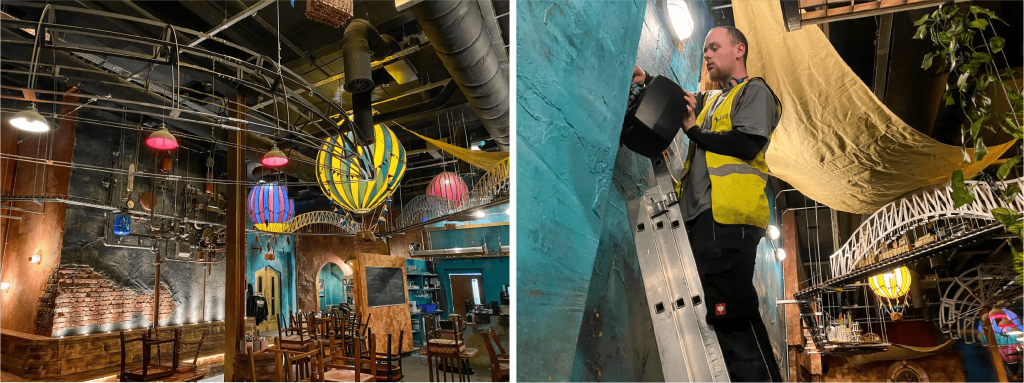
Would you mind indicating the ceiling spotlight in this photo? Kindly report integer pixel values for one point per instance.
(773, 232)
(275, 157)
(780, 254)
(162, 139)
(679, 16)
(30, 120)
(479, 214)
(5, 285)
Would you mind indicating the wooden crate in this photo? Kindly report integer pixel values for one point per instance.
(798, 14)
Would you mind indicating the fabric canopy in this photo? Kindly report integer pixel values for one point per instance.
(479, 158)
(836, 142)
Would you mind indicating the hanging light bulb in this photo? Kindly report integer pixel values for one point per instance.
(773, 232)
(780, 253)
(275, 157)
(30, 120)
(479, 214)
(162, 139)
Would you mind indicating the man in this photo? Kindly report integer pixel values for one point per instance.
(723, 200)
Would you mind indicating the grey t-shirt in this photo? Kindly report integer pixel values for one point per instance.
(753, 112)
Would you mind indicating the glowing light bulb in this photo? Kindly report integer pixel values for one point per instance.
(30, 120)
(773, 232)
(479, 214)
(780, 254)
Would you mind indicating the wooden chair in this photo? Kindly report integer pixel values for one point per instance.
(148, 371)
(444, 351)
(389, 365)
(305, 367)
(299, 339)
(340, 367)
(259, 362)
(499, 362)
(497, 341)
(193, 365)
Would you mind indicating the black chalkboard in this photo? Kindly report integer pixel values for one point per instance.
(385, 286)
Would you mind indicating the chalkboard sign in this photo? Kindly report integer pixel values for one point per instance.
(385, 286)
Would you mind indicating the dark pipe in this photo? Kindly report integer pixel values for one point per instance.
(461, 40)
(360, 38)
(362, 117)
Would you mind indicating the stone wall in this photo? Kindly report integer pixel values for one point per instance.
(570, 104)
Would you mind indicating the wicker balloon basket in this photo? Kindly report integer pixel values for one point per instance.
(330, 12)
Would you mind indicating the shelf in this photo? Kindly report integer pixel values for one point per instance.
(431, 288)
(420, 313)
(421, 275)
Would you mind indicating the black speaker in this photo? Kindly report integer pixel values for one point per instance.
(654, 116)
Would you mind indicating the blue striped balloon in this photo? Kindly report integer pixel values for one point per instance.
(341, 181)
(269, 203)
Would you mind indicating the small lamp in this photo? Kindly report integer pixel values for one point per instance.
(30, 120)
(275, 157)
(35, 258)
(162, 139)
(5, 285)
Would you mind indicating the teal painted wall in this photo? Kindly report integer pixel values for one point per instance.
(333, 292)
(284, 262)
(494, 271)
(575, 61)
(616, 340)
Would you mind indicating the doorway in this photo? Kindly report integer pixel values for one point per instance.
(268, 283)
(332, 286)
(466, 286)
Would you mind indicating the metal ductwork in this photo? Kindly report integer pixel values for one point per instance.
(462, 41)
(97, 83)
(360, 39)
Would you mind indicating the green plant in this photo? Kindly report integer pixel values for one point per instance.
(967, 46)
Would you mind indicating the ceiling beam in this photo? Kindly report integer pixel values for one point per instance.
(234, 19)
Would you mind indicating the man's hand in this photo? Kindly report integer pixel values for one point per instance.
(638, 75)
(690, 119)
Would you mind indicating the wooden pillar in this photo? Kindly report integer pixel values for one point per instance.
(993, 347)
(234, 320)
(791, 283)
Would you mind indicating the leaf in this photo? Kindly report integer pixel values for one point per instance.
(1005, 216)
(976, 128)
(961, 195)
(981, 57)
(979, 150)
(984, 81)
(949, 99)
(922, 20)
(976, 9)
(979, 24)
(1006, 167)
(922, 32)
(1010, 192)
(1018, 264)
(996, 44)
(962, 81)
(927, 63)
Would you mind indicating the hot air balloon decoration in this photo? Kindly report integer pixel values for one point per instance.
(341, 180)
(448, 186)
(270, 209)
(890, 287)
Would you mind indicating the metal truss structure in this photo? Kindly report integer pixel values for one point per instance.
(493, 186)
(920, 225)
(978, 289)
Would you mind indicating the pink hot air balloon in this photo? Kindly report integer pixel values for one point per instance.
(449, 186)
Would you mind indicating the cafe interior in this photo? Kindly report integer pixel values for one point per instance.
(254, 190)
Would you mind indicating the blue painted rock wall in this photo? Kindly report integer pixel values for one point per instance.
(575, 61)
(616, 341)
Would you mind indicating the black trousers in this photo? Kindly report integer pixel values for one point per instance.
(725, 257)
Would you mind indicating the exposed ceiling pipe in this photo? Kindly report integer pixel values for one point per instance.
(360, 37)
(110, 84)
(462, 40)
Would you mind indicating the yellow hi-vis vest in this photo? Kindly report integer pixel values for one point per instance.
(737, 186)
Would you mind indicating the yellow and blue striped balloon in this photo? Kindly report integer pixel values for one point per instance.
(341, 180)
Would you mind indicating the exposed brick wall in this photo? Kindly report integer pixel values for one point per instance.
(47, 305)
(85, 297)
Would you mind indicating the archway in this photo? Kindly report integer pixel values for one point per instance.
(333, 285)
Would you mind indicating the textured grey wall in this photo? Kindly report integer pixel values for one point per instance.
(134, 268)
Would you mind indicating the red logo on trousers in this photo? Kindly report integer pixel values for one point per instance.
(720, 309)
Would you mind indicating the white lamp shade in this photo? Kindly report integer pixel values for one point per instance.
(30, 120)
